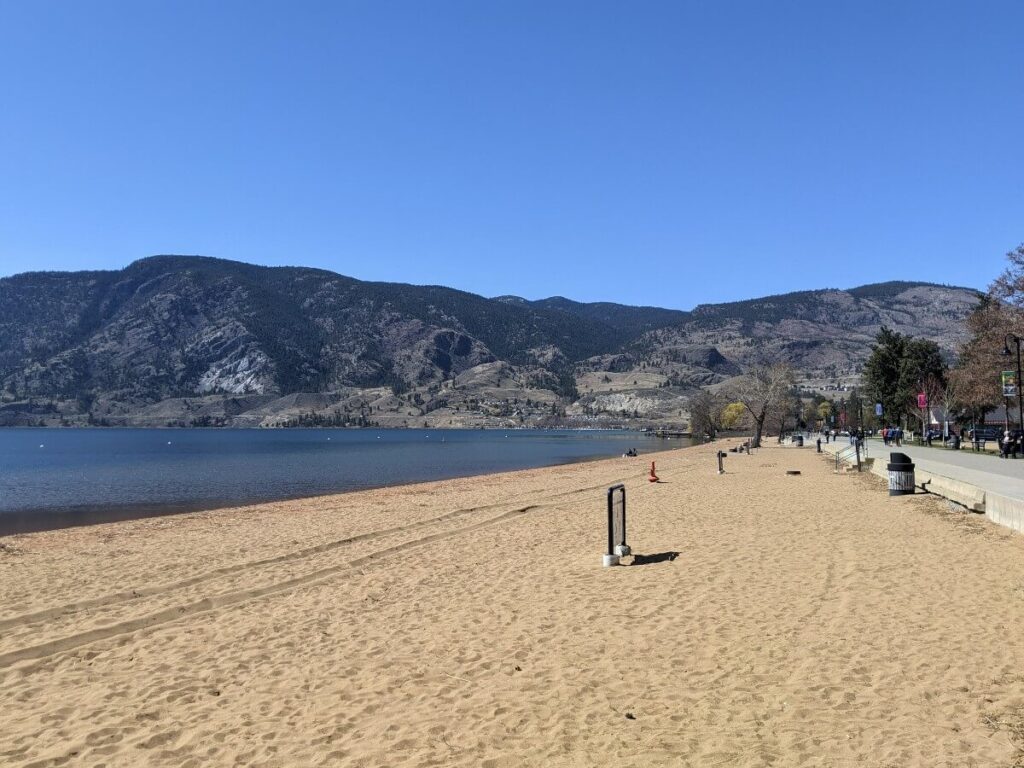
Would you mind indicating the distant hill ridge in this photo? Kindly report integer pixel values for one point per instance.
(110, 345)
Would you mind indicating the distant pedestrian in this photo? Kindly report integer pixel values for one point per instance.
(1005, 445)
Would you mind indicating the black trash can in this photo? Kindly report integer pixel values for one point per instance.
(798, 441)
(901, 474)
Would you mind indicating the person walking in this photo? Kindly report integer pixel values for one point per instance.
(1005, 444)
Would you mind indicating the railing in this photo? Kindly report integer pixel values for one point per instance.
(851, 455)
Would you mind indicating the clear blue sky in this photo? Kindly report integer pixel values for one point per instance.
(649, 153)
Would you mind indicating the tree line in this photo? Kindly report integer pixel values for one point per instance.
(901, 369)
(908, 377)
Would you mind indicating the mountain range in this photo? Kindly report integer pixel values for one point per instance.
(187, 340)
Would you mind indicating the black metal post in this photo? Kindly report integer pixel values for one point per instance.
(1020, 395)
(611, 517)
(856, 445)
(611, 524)
(721, 469)
(624, 539)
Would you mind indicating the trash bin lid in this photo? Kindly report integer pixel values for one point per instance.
(899, 458)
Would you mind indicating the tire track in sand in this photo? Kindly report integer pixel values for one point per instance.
(217, 602)
(131, 595)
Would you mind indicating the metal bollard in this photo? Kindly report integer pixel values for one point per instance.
(721, 467)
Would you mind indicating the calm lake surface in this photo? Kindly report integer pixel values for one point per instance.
(54, 478)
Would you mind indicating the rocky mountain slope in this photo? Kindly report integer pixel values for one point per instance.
(175, 340)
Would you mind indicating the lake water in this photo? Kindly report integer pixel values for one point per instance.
(53, 478)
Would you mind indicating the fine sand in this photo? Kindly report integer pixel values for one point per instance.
(807, 620)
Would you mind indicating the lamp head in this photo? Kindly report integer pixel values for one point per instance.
(1006, 350)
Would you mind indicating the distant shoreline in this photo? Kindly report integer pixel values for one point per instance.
(225, 428)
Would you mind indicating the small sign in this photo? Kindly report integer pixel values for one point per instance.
(878, 409)
(922, 400)
(1009, 383)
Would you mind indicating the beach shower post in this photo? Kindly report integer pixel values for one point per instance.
(617, 546)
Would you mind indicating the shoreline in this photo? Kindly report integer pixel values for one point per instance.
(259, 428)
(16, 522)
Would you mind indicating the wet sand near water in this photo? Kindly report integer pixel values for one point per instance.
(775, 620)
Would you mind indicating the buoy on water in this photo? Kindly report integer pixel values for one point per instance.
(654, 477)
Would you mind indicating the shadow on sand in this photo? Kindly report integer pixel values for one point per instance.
(659, 557)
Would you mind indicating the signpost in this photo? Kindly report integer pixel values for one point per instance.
(617, 546)
(1009, 383)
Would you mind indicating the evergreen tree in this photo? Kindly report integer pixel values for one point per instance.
(899, 367)
(882, 373)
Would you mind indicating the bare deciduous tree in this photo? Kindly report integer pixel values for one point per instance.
(761, 390)
(976, 376)
(705, 413)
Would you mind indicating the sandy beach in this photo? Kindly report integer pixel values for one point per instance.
(806, 620)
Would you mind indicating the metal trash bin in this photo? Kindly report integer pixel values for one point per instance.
(901, 474)
(798, 441)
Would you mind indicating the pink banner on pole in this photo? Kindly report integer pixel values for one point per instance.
(922, 400)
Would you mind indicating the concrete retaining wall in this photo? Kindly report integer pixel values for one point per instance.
(1005, 511)
(965, 494)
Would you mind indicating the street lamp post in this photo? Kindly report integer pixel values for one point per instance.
(926, 422)
(1020, 395)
